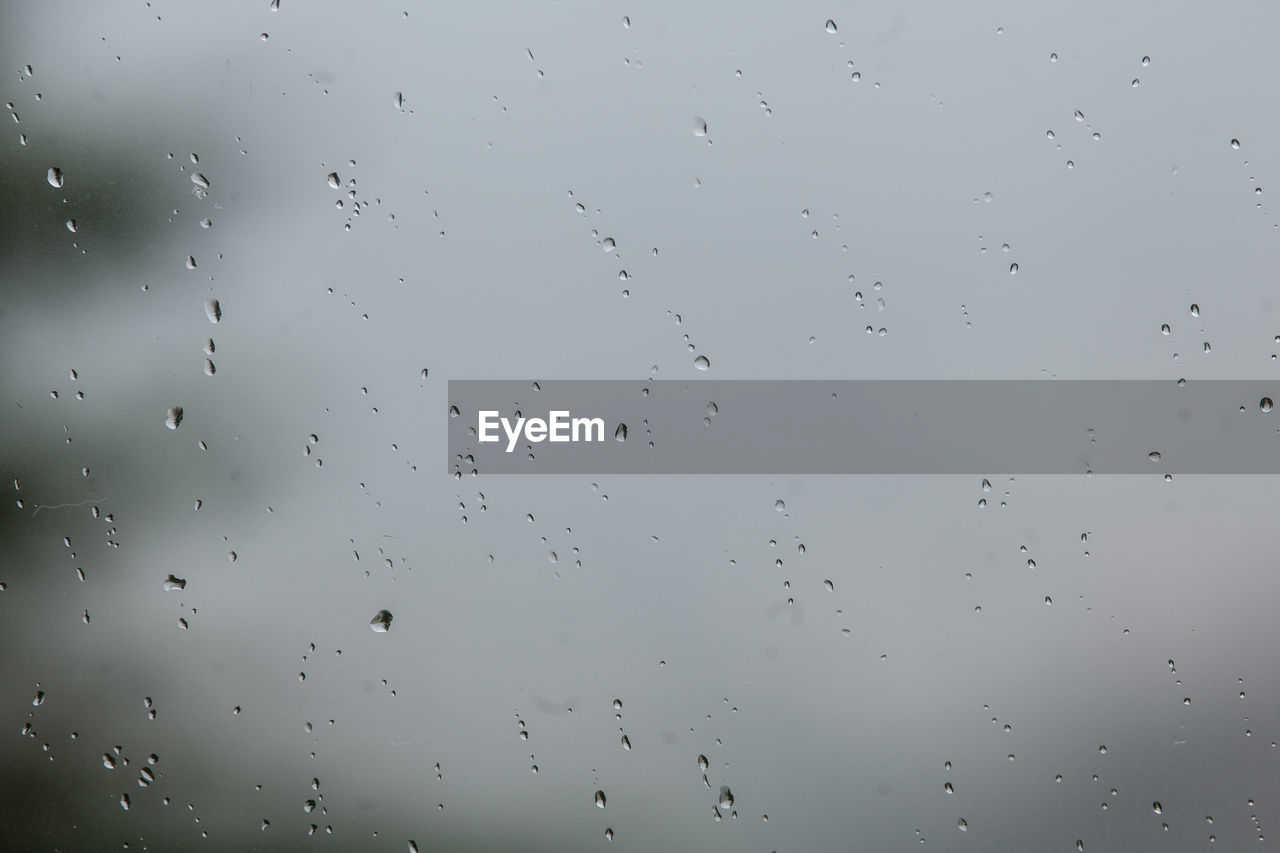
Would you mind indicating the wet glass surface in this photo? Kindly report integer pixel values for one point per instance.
(245, 605)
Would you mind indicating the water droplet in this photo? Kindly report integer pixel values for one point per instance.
(212, 310)
(702, 363)
(947, 787)
(831, 26)
(1053, 57)
(191, 262)
(1265, 405)
(54, 177)
(1146, 60)
(174, 583)
(1013, 269)
(1235, 143)
(1164, 328)
(209, 369)
(173, 417)
(333, 180)
(1195, 310)
(200, 181)
(398, 100)
(626, 743)
(962, 824)
(626, 22)
(699, 126)
(71, 225)
(600, 799)
(1157, 808)
(703, 763)
(381, 622)
(620, 434)
(608, 244)
(124, 801)
(725, 799)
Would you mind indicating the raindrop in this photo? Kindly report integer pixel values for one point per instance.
(608, 244)
(1146, 60)
(726, 797)
(1013, 269)
(1164, 329)
(620, 434)
(200, 180)
(1079, 116)
(1235, 143)
(962, 825)
(173, 417)
(702, 363)
(699, 126)
(779, 505)
(71, 225)
(381, 622)
(703, 763)
(1157, 808)
(1195, 310)
(600, 799)
(626, 743)
(55, 177)
(831, 26)
(1154, 456)
(174, 583)
(1265, 405)
(212, 310)
(334, 182)
(191, 262)
(398, 100)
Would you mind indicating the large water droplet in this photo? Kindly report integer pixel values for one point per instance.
(620, 434)
(174, 583)
(600, 799)
(831, 26)
(381, 622)
(699, 126)
(54, 177)
(200, 181)
(1265, 405)
(173, 417)
(333, 180)
(212, 310)
(702, 363)
(726, 797)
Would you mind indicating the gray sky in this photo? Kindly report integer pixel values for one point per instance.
(469, 258)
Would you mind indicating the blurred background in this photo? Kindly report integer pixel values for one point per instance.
(245, 245)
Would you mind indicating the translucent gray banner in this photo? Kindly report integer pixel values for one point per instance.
(977, 427)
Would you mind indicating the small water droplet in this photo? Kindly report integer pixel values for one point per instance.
(1013, 269)
(699, 126)
(1157, 808)
(55, 177)
(173, 418)
(334, 182)
(600, 799)
(200, 181)
(381, 622)
(620, 434)
(213, 310)
(174, 583)
(831, 26)
(1265, 405)
(725, 799)
(1235, 143)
